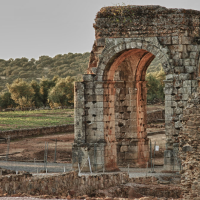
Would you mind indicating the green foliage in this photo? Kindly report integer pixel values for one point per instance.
(45, 86)
(63, 65)
(6, 101)
(21, 92)
(57, 92)
(45, 79)
(63, 92)
(37, 99)
(155, 86)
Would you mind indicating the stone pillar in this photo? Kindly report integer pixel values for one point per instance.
(169, 125)
(78, 151)
(143, 141)
(89, 125)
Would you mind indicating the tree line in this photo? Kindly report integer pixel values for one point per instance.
(73, 65)
(60, 91)
(49, 81)
(55, 92)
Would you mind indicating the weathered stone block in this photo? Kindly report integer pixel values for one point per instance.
(194, 83)
(130, 155)
(179, 69)
(100, 42)
(88, 77)
(175, 40)
(169, 77)
(189, 69)
(193, 48)
(194, 55)
(124, 149)
(183, 76)
(185, 40)
(178, 124)
(185, 97)
(168, 91)
(187, 148)
(165, 40)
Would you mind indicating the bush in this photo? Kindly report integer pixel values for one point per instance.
(63, 93)
(155, 86)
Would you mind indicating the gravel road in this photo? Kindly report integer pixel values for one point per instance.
(61, 167)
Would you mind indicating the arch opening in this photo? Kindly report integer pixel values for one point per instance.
(125, 97)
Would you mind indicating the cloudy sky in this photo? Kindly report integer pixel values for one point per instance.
(31, 28)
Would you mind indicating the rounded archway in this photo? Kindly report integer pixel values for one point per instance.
(125, 103)
(110, 105)
(105, 83)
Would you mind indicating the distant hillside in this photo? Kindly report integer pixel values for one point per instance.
(62, 65)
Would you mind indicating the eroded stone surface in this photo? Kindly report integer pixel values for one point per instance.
(110, 103)
(189, 139)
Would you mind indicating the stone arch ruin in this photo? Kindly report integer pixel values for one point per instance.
(110, 102)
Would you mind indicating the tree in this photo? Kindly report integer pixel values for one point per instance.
(6, 101)
(45, 85)
(63, 93)
(37, 99)
(21, 92)
(155, 85)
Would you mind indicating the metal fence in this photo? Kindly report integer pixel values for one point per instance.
(47, 160)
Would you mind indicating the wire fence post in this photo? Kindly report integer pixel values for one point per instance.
(151, 155)
(8, 146)
(95, 157)
(154, 157)
(173, 159)
(55, 151)
(128, 169)
(147, 169)
(102, 159)
(44, 154)
(34, 163)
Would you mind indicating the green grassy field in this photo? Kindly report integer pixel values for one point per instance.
(36, 118)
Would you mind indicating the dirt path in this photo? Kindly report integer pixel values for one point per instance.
(30, 149)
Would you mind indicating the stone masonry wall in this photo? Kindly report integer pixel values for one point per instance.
(59, 185)
(155, 115)
(112, 185)
(189, 150)
(21, 133)
(132, 36)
